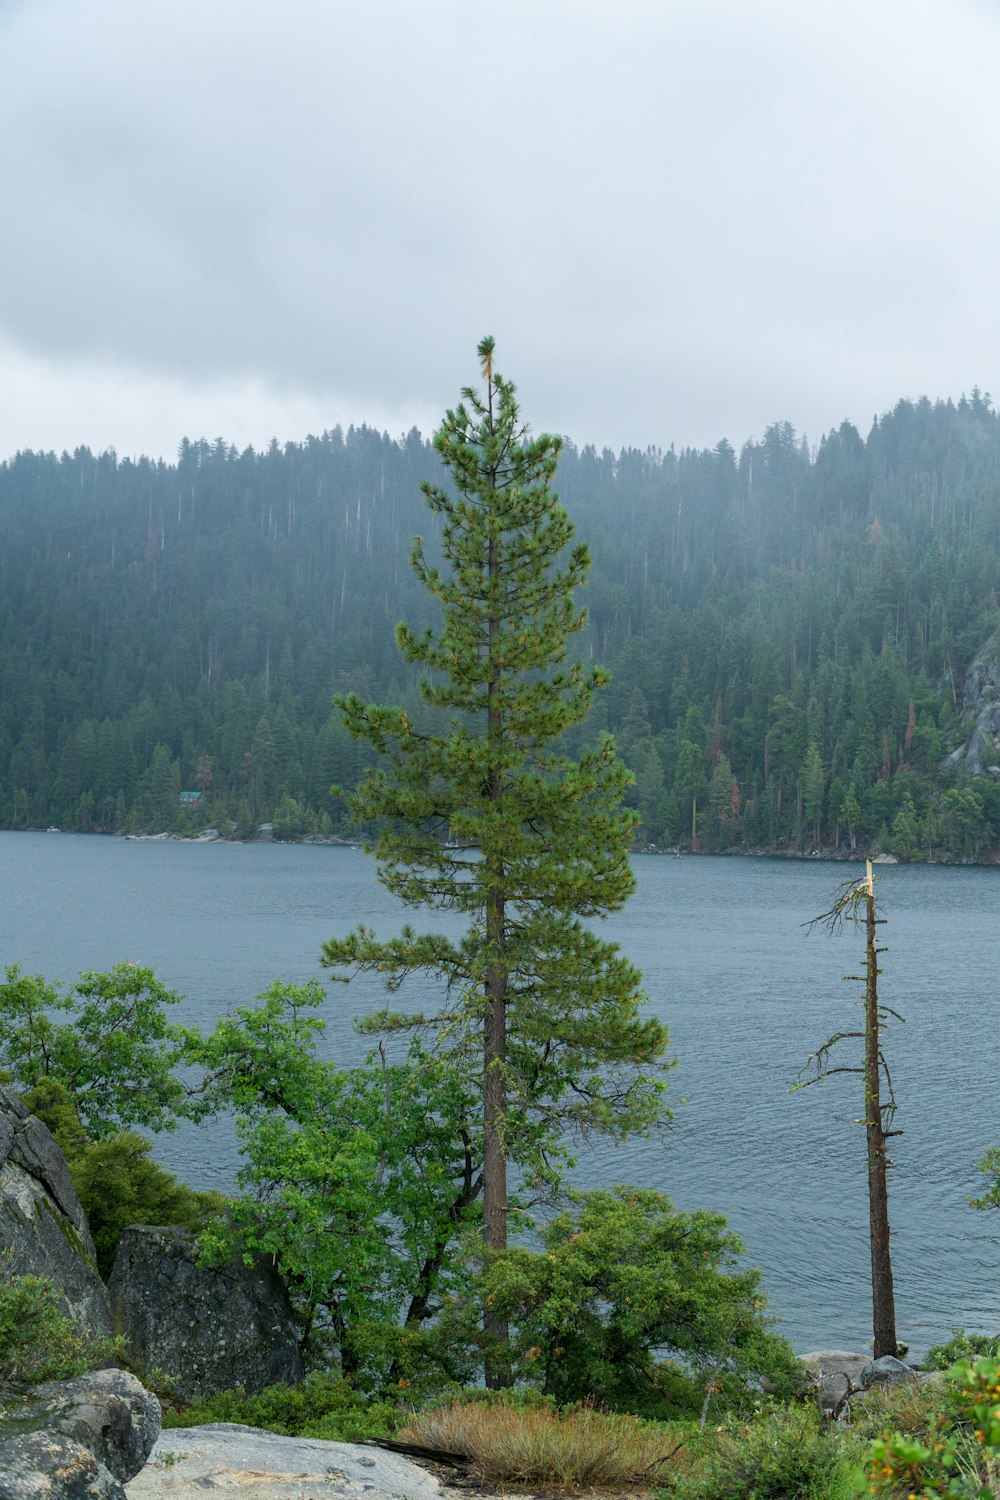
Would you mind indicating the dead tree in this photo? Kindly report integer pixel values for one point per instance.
(856, 903)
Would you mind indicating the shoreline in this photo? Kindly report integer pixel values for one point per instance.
(838, 855)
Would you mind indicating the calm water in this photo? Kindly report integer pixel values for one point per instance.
(747, 996)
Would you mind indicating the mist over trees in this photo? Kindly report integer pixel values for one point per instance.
(788, 629)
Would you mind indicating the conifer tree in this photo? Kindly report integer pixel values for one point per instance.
(540, 1009)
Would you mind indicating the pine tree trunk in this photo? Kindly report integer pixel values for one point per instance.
(495, 1024)
(494, 1132)
(883, 1306)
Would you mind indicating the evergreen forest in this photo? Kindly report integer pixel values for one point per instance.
(788, 630)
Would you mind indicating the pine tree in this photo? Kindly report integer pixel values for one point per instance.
(542, 1011)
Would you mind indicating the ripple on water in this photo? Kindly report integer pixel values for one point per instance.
(728, 965)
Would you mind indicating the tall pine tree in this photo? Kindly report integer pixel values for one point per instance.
(544, 1011)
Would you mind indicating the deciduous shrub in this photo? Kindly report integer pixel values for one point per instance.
(37, 1341)
(961, 1345)
(638, 1306)
(321, 1406)
(116, 1178)
(959, 1455)
(783, 1454)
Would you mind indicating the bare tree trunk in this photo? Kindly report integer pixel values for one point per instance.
(883, 1306)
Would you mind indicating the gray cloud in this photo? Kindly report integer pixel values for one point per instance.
(681, 220)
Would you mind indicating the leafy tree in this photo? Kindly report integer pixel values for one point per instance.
(115, 1055)
(961, 813)
(905, 832)
(990, 1165)
(355, 1181)
(544, 1012)
(637, 1305)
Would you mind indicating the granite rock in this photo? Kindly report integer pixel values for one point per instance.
(43, 1228)
(202, 1329)
(193, 1463)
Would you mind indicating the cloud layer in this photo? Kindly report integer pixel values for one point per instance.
(680, 220)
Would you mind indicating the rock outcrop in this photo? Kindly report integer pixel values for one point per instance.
(981, 711)
(193, 1463)
(886, 1371)
(43, 1228)
(202, 1329)
(822, 1363)
(77, 1439)
(838, 1374)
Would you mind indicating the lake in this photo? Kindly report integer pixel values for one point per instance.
(747, 994)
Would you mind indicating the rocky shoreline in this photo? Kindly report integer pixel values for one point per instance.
(265, 835)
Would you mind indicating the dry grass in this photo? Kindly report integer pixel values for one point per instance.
(582, 1447)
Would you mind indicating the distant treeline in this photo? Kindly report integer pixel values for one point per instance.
(788, 629)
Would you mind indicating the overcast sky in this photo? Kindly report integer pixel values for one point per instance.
(681, 219)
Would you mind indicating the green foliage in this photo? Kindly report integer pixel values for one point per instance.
(355, 1181)
(959, 1455)
(782, 1454)
(321, 1406)
(37, 1341)
(961, 1345)
(116, 1179)
(637, 1305)
(539, 1013)
(116, 1053)
(753, 587)
(990, 1165)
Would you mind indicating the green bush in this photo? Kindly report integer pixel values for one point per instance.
(636, 1305)
(960, 1453)
(37, 1341)
(781, 1455)
(322, 1406)
(961, 1345)
(116, 1179)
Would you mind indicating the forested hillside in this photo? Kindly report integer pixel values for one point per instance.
(788, 629)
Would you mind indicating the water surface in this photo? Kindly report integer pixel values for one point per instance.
(729, 966)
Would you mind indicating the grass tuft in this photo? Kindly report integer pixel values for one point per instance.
(577, 1447)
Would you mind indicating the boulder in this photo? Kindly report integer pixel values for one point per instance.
(43, 1228)
(44, 1466)
(193, 1463)
(886, 1371)
(201, 1329)
(826, 1362)
(77, 1439)
(832, 1393)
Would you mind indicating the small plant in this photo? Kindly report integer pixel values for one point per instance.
(37, 1341)
(961, 1345)
(958, 1456)
(169, 1459)
(781, 1455)
(513, 1441)
(321, 1406)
